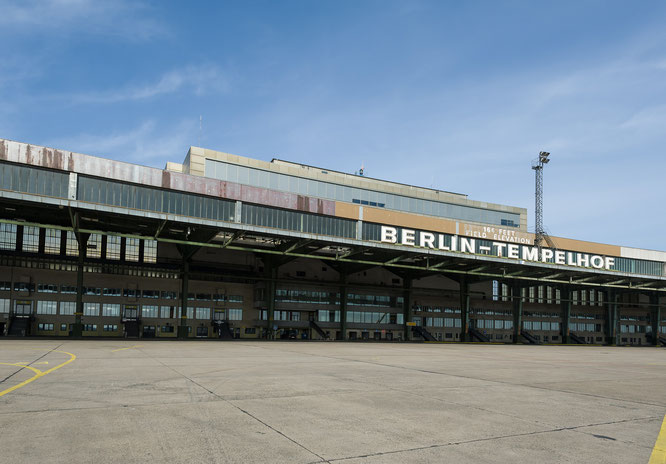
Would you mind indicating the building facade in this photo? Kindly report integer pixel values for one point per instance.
(252, 249)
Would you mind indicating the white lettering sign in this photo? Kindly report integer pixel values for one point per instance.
(511, 250)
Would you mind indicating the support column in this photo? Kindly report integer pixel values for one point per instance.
(184, 280)
(77, 328)
(611, 317)
(566, 297)
(343, 306)
(42, 241)
(271, 271)
(407, 307)
(464, 309)
(656, 317)
(517, 300)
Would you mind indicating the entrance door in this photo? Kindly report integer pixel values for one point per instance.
(130, 313)
(23, 309)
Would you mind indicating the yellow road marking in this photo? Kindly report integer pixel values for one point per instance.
(43, 362)
(128, 348)
(37, 372)
(659, 451)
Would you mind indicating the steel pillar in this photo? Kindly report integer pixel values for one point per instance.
(517, 300)
(343, 306)
(566, 297)
(464, 309)
(77, 328)
(271, 271)
(656, 317)
(407, 306)
(185, 278)
(611, 317)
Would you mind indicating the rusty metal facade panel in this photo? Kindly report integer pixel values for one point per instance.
(126, 172)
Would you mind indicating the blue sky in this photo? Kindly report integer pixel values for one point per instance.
(460, 96)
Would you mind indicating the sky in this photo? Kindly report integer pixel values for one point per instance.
(457, 96)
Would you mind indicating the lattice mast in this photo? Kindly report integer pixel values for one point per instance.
(540, 234)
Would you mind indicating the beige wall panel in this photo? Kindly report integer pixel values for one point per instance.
(346, 210)
(586, 247)
(413, 221)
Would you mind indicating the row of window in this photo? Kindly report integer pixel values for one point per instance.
(94, 246)
(117, 292)
(315, 188)
(68, 308)
(333, 298)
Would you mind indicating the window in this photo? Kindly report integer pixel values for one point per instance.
(91, 309)
(237, 314)
(169, 295)
(111, 292)
(235, 299)
(167, 329)
(202, 331)
(203, 313)
(67, 308)
(132, 249)
(44, 327)
(68, 289)
(250, 330)
(151, 293)
(94, 246)
(166, 311)
(149, 310)
(47, 307)
(52, 242)
(7, 236)
(110, 328)
(4, 306)
(30, 239)
(24, 287)
(90, 327)
(131, 293)
(63, 327)
(95, 291)
(47, 288)
(113, 247)
(149, 251)
(72, 245)
(111, 310)
(190, 313)
(5, 286)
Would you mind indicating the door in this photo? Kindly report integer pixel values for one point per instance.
(23, 309)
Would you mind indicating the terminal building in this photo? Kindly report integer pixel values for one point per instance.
(224, 246)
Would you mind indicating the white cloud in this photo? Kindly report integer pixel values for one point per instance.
(200, 80)
(129, 19)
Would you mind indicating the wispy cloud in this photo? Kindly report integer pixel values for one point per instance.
(130, 19)
(149, 143)
(200, 80)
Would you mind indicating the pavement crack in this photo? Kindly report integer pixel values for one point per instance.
(249, 414)
(29, 364)
(477, 440)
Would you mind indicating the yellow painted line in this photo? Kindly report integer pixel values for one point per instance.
(659, 451)
(128, 348)
(37, 372)
(23, 366)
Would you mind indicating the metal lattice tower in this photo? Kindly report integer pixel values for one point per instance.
(539, 233)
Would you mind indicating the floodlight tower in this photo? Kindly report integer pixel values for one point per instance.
(539, 234)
